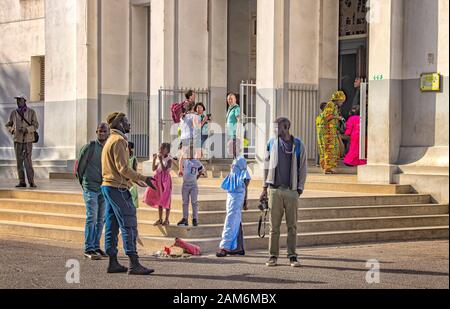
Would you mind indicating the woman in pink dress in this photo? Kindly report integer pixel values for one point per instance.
(162, 197)
(353, 127)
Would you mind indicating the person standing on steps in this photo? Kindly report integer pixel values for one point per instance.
(285, 176)
(120, 209)
(23, 124)
(236, 185)
(89, 173)
(233, 121)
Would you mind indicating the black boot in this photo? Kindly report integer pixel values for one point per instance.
(136, 268)
(114, 267)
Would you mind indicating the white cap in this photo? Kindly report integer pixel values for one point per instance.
(21, 96)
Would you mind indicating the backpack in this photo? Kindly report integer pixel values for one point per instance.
(177, 110)
(80, 169)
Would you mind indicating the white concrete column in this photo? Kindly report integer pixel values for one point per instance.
(162, 72)
(269, 70)
(329, 48)
(115, 56)
(385, 96)
(71, 77)
(192, 51)
(288, 55)
(218, 62)
(301, 23)
(139, 79)
(61, 78)
(442, 106)
(87, 72)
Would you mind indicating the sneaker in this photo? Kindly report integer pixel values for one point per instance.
(21, 185)
(92, 255)
(101, 253)
(294, 262)
(272, 261)
(183, 222)
(194, 222)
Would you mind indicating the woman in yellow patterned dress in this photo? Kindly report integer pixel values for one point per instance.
(327, 131)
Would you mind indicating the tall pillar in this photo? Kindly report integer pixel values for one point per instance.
(139, 66)
(269, 70)
(162, 61)
(288, 55)
(71, 62)
(115, 56)
(385, 96)
(329, 48)
(442, 106)
(218, 62)
(188, 50)
(87, 72)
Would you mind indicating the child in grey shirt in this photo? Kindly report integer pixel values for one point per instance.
(192, 170)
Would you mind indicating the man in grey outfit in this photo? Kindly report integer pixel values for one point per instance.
(22, 124)
(285, 177)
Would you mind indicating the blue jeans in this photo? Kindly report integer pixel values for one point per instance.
(95, 219)
(120, 213)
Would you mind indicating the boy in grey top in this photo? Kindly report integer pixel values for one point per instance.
(192, 170)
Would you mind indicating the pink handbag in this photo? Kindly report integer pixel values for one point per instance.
(187, 247)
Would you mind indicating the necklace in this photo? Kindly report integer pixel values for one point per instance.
(285, 147)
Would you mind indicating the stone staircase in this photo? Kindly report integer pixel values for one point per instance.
(377, 213)
(42, 168)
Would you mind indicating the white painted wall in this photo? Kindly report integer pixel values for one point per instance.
(192, 44)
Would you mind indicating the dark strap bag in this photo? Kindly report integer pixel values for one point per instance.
(261, 223)
(36, 135)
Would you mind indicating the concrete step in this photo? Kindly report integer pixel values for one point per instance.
(61, 175)
(38, 163)
(218, 214)
(340, 170)
(315, 239)
(208, 230)
(68, 202)
(304, 226)
(209, 245)
(214, 211)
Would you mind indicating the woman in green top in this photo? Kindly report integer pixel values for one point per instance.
(233, 119)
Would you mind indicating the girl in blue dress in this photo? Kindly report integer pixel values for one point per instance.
(236, 184)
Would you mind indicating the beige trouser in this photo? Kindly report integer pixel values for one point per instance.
(283, 201)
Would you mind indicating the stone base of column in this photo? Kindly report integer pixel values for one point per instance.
(377, 173)
(147, 168)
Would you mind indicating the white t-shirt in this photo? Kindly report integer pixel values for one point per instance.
(189, 124)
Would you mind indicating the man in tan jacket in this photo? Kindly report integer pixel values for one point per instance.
(22, 124)
(120, 209)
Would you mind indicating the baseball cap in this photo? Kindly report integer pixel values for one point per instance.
(21, 96)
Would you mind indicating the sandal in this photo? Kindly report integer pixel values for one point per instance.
(158, 222)
(222, 253)
(166, 223)
(330, 172)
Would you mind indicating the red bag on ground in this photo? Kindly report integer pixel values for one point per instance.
(187, 247)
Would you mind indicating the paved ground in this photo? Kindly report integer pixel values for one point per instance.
(31, 263)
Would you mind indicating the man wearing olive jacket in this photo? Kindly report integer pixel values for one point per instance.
(120, 209)
(22, 124)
